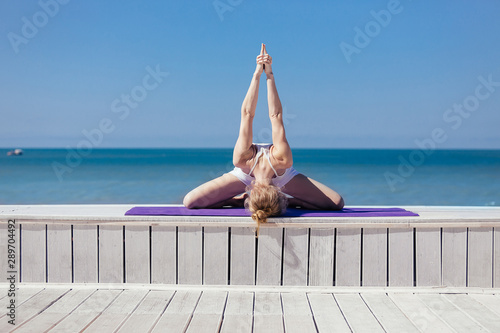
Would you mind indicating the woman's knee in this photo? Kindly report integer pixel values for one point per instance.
(339, 203)
(189, 200)
(333, 203)
(196, 199)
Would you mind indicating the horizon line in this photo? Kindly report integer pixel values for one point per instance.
(199, 147)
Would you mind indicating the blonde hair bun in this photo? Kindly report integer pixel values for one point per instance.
(260, 215)
(265, 200)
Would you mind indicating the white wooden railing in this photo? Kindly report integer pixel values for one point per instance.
(444, 246)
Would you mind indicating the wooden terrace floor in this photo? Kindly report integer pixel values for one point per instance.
(111, 308)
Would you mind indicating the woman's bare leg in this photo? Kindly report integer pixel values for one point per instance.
(312, 194)
(243, 150)
(236, 201)
(281, 150)
(215, 192)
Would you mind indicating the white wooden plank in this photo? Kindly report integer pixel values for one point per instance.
(85, 250)
(189, 255)
(83, 315)
(237, 323)
(374, 257)
(137, 254)
(327, 314)
(452, 216)
(295, 256)
(179, 311)
(216, 256)
(239, 302)
(357, 314)
(387, 313)
(145, 316)
(297, 315)
(428, 257)
(59, 261)
(496, 262)
(207, 316)
(211, 302)
(268, 323)
(24, 294)
(299, 323)
(480, 257)
(238, 314)
(400, 257)
(163, 254)
(242, 261)
(205, 323)
(492, 302)
(321, 257)
(348, 257)
(56, 312)
(454, 257)
(267, 303)
(121, 308)
(268, 316)
(419, 314)
(33, 253)
(269, 256)
(110, 254)
(32, 307)
(480, 313)
(450, 314)
(295, 303)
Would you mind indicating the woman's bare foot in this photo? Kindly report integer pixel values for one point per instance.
(264, 61)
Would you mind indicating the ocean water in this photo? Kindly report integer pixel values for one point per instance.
(161, 176)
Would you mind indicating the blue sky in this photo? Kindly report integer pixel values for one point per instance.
(351, 74)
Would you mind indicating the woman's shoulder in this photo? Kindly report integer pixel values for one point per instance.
(244, 159)
(281, 160)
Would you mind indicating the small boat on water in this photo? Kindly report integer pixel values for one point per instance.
(15, 152)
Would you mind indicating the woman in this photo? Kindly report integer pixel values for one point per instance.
(263, 170)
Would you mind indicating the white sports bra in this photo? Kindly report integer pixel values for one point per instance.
(263, 149)
(279, 181)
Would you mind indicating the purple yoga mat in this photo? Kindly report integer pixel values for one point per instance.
(290, 212)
